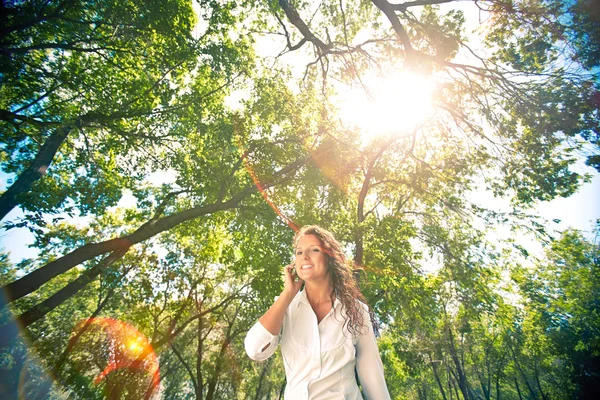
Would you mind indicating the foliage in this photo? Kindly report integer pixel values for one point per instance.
(99, 100)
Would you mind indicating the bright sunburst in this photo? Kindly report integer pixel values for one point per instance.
(392, 105)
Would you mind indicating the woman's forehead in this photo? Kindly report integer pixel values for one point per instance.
(308, 240)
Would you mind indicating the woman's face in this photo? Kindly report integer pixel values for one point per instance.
(310, 261)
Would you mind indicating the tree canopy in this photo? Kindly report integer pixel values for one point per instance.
(104, 101)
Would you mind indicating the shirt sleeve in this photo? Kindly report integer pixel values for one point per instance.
(256, 339)
(368, 363)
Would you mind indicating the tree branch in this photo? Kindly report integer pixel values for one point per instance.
(35, 279)
(185, 365)
(403, 6)
(389, 12)
(294, 18)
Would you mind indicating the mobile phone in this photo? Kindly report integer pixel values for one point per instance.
(295, 276)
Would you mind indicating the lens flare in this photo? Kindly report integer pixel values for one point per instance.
(265, 196)
(125, 348)
(261, 188)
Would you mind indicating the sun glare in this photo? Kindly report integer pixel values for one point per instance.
(133, 344)
(392, 105)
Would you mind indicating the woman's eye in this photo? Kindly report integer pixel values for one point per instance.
(316, 250)
(298, 253)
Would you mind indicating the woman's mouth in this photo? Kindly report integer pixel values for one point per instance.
(306, 266)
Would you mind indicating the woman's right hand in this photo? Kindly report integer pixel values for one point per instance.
(272, 320)
(292, 283)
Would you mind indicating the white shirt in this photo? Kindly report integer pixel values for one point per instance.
(319, 358)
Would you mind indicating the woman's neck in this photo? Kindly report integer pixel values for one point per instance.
(318, 293)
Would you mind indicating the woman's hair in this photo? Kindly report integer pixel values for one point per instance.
(341, 276)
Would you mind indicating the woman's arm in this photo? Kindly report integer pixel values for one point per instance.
(262, 338)
(260, 344)
(272, 320)
(368, 363)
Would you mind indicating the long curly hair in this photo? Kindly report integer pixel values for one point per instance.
(341, 277)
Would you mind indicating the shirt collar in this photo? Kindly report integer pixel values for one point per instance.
(337, 303)
(303, 299)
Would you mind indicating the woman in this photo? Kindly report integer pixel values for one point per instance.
(325, 330)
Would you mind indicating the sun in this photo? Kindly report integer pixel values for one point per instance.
(390, 105)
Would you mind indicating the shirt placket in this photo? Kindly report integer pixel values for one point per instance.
(316, 362)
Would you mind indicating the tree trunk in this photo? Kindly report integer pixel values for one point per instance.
(114, 388)
(360, 211)
(30, 282)
(358, 235)
(37, 169)
(389, 12)
(518, 389)
(452, 375)
(537, 381)
(437, 377)
(185, 365)
(455, 385)
(421, 392)
(462, 379)
(499, 368)
(262, 377)
(9, 331)
(54, 374)
(498, 386)
(364, 190)
(450, 387)
(523, 375)
(199, 353)
(484, 387)
(10, 377)
(212, 386)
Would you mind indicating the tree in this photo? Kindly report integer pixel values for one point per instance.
(93, 88)
(209, 184)
(563, 293)
(523, 81)
(509, 119)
